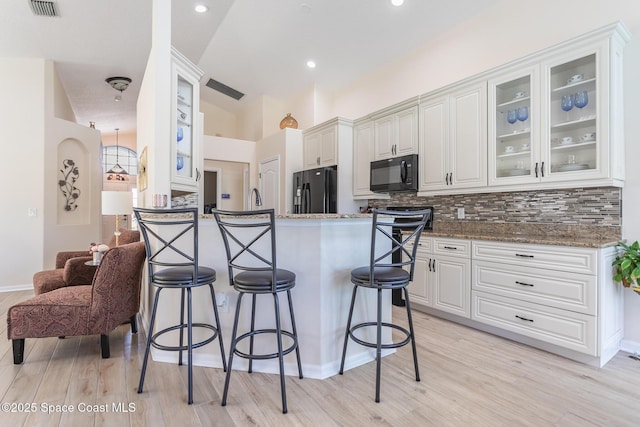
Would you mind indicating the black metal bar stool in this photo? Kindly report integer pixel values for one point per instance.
(171, 241)
(381, 274)
(247, 237)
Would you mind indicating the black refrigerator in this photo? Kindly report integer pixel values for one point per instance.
(316, 191)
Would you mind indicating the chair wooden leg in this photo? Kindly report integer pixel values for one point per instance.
(18, 351)
(104, 346)
(134, 324)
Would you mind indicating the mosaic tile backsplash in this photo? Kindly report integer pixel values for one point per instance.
(578, 206)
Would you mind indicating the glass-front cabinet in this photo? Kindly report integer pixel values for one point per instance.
(513, 140)
(572, 132)
(185, 140)
(558, 117)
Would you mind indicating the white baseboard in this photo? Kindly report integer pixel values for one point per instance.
(630, 346)
(13, 288)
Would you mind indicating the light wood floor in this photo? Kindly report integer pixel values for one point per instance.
(469, 378)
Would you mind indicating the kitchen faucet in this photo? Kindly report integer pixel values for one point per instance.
(258, 197)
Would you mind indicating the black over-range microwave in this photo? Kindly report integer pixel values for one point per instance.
(395, 175)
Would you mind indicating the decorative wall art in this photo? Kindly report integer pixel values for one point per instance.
(142, 170)
(67, 184)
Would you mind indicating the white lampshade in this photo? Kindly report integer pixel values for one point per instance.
(117, 202)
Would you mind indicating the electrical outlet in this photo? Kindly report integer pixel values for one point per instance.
(32, 212)
(223, 303)
(460, 213)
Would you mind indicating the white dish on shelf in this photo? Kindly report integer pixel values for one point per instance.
(573, 167)
(516, 172)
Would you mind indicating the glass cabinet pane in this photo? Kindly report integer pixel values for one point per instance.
(513, 144)
(572, 115)
(184, 137)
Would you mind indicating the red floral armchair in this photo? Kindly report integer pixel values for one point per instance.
(71, 269)
(98, 308)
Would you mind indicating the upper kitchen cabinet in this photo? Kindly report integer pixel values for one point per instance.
(320, 146)
(362, 157)
(557, 122)
(395, 131)
(514, 126)
(186, 131)
(453, 139)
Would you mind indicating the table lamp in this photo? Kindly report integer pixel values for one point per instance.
(117, 203)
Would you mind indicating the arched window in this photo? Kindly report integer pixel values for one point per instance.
(125, 157)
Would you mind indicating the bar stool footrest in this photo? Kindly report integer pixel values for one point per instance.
(285, 351)
(155, 336)
(384, 325)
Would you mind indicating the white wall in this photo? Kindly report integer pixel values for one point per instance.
(31, 139)
(501, 34)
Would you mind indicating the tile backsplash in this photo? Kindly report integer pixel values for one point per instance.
(577, 206)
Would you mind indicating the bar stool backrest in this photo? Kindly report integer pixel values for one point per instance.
(250, 240)
(170, 237)
(410, 223)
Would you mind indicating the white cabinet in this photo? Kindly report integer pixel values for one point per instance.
(186, 131)
(320, 147)
(453, 139)
(442, 278)
(396, 133)
(331, 143)
(362, 157)
(562, 296)
(555, 121)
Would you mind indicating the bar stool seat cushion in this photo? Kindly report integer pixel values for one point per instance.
(260, 281)
(382, 275)
(182, 275)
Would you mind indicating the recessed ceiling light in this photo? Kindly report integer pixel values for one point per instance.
(311, 64)
(200, 8)
(397, 2)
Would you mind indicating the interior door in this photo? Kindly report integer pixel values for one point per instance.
(269, 176)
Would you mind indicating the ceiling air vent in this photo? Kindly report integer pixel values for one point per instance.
(223, 88)
(43, 8)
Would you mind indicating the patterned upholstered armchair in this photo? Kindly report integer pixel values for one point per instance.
(71, 269)
(97, 308)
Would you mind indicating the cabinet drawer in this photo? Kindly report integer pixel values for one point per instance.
(575, 331)
(568, 291)
(575, 260)
(425, 246)
(452, 247)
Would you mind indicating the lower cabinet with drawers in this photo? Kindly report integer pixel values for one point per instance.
(442, 277)
(558, 298)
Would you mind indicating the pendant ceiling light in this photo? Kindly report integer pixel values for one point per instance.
(117, 172)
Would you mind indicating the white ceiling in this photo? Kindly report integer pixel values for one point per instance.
(258, 47)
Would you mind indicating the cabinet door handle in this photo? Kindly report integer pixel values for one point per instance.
(450, 178)
(434, 265)
(536, 169)
(542, 169)
(451, 247)
(446, 178)
(430, 264)
(524, 255)
(198, 175)
(524, 284)
(524, 318)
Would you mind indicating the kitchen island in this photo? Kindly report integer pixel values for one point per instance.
(322, 250)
